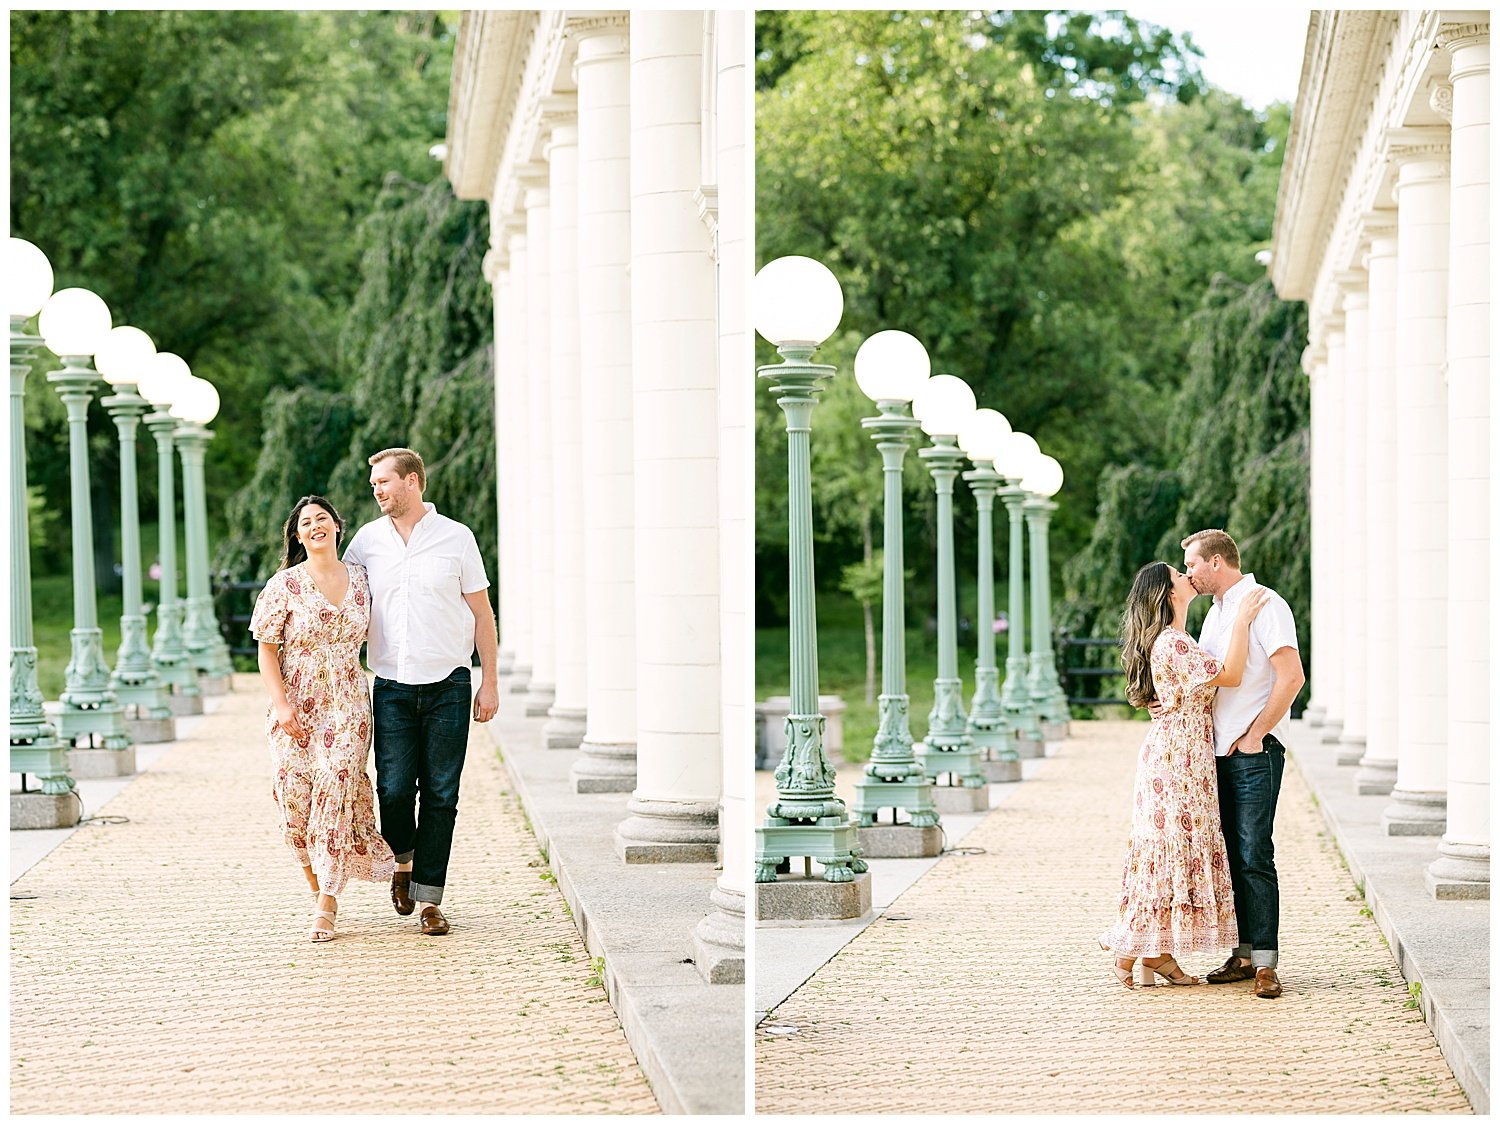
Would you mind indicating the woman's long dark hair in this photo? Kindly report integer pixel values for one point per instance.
(292, 550)
(1148, 611)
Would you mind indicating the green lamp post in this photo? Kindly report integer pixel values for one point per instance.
(891, 367)
(74, 324)
(943, 407)
(798, 304)
(122, 359)
(982, 439)
(164, 378)
(34, 746)
(1043, 481)
(1021, 715)
(195, 406)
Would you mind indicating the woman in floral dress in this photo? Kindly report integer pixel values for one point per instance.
(1175, 895)
(310, 620)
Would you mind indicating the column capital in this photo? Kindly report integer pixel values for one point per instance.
(1351, 279)
(1440, 98)
(1377, 224)
(1416, 144)
(1455, 36)
(558, 111)
(1313, 356)
(495, 259)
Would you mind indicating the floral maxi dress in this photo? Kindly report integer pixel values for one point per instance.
(1175, 894)
(322, 789)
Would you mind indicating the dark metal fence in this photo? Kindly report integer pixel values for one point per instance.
(233, 604)
(1082, 677)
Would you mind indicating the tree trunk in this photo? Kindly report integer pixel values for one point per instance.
(869, 618)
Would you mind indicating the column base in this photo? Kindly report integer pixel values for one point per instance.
(1001, 771)
(43, 810)
(900, 841)
(1351, 750)
(505, 661)
(520, 679)
(1461, 871)
(604, 767)
(1315, 715)
(106, 723)
(1415, 814)
(152, 730)
(719, 939)
(186, 704)
(1333, 730)
(1376, 777)
(959, 799)
(669, 832)
(565, 728)
(802, 899)
(539, 699)
(90, 763)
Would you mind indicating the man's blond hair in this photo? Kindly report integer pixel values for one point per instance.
(1213, 542)
(408, 461)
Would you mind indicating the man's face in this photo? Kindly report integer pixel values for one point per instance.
(395, 494)
(1201, 572)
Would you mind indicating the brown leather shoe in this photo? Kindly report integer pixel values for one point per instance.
(401, 893)
(1231, 971)
(433, 922)
(1267, 986)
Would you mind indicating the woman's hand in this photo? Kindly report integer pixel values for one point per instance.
(1250, 605)
(288, 720)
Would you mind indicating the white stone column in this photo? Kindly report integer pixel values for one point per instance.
(1320, 670)
(567, 715)
(514, 414)
(497, 273)
(1462, 868)
(673, 348)
(1350, 552)
(1328, 633)
(1422, 187)
(719, 939)
(1377, 769)
(602, 73)
(540, 693)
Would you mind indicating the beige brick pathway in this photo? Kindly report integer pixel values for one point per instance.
(983, 988)
(163, 967)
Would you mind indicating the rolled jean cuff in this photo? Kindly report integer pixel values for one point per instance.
(405, 857)
(1242, 951)
(420, 892)
(1263, 959)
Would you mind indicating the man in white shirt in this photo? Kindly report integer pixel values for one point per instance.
(1250, 729)
(430, 611)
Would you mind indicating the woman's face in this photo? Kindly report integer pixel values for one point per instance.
(1182, 588)
(316, 529)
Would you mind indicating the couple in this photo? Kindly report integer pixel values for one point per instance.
(415, 583)
(1200, 873)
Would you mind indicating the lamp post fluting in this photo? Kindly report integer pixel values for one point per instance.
(205, 644)
(34, 746)
(982, 440)
(169, 654)
(134, 680)
(1042, 683)
(74, 322)
(798, 305)
(891, 367)
(943, 407)
(1020, 714)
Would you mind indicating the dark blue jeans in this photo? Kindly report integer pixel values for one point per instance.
(421, 733)
(1248, 787)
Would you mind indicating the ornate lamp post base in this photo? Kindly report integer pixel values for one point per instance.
(998, 760)
(895, 780)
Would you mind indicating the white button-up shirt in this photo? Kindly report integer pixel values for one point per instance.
(421, 628)
(1272, 630)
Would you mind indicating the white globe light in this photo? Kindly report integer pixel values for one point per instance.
(164, 378)
(74, 322)
(124, 355)
(1045, 476)
(198, 402)
(943, 405)
(797, 301)
(891, 366)
(1016, 456)
(982, 436)
(28, 278)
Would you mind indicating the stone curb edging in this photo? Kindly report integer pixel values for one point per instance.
(1464, 1045)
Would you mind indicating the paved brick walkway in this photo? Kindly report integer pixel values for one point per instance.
(162, 965)
(983, 988)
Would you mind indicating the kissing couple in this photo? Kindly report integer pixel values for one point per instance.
(413, 584)
(1200, 870)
